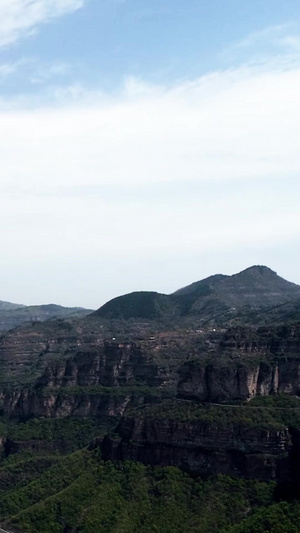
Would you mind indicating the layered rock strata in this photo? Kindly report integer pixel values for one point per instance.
(200, 448)
(247, 363)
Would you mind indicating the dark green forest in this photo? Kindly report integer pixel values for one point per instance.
(67, 487)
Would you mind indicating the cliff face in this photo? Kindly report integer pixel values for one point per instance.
(235, 440)
(217, 383)
(201, 448)
(247, 363)
(110, 364)
(76, 374)
(26, 404)
(59, 368)
(61, 353)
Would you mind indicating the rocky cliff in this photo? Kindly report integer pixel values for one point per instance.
(241, 439)
(125, 370)
(63, 368)
(237, 444)
(247, 363)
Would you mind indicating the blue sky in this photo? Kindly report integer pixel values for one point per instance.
(145, 146)
(99, 43)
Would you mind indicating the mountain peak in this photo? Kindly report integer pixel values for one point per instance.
(256, 287)
(258, 270)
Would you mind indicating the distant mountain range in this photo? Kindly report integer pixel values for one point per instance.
(255, 295)
(217, 297)
(13, 315)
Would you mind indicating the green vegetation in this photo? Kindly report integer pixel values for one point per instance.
(98, 390)
(276, 401)
(20, 469)
(49, 492)
(39, 436)
(82, 494)
(247, 415)
(52, 480)
(278, 518)
(143, 304)
(74, 433)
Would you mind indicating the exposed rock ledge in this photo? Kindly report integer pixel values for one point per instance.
(200, 448)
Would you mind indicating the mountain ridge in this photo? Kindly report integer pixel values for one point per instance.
(14, 315)
(257, 287)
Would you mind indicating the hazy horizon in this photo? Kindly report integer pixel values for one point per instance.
(141, 289)
(146, 147)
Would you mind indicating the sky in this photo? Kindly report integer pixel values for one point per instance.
(146, 145)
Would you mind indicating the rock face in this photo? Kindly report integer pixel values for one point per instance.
(246, 364)
(26, 404)
(110, 364)
(63, 354)
(59, 369)
(200, 448)
(223, 383)
(101, 381)
(288, 471)
(234, 440)
(64, 370)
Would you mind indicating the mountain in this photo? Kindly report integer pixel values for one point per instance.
(149, 305)
(8, 306)
(13, 315)
(256, 288)
(203, 382)
(201, 288)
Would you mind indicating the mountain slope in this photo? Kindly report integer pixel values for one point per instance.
(81, 494)
(257, 287)
(8, 306)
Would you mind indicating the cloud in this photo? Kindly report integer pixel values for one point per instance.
(278, 43)
(20, 18)
(269, 35)
(291, 42)
(106, 190)
(47, 72)
(6, 69)
(231, 125)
